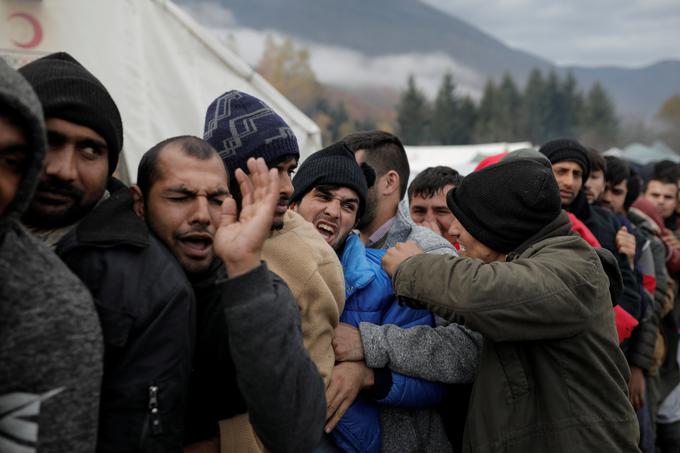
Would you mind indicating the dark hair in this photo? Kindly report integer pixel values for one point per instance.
(235, 189)
(666, 169)
(432, 180)
(597, 161)
(634, 189)
(384, 152)
(147, 171)
(662, 177)
(618, 170)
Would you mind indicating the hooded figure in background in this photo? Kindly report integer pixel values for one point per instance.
(50, 337)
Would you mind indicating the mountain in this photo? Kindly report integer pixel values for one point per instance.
(378, 28)
(637, 92)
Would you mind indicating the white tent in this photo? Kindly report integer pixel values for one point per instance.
(463, 158)
(161, 68)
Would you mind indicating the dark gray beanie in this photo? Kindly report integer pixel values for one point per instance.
(505, 204)
(70, 92)
(335, 166)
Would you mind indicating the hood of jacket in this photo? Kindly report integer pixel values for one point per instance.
(17, 94)
(561, 226)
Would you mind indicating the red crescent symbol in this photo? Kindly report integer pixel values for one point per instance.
(37, 30)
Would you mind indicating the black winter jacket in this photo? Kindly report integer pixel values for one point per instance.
(604, 225)
(146, 308)
(250, 358)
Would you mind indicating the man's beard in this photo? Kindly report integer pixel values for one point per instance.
(370, 211)
(33, 216)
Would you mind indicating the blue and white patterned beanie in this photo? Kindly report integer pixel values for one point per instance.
(240, 126)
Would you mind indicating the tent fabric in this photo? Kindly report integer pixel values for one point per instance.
(463, 158)
(160, 66)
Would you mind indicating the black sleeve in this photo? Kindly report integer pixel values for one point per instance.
(643, 340)
(281, 385)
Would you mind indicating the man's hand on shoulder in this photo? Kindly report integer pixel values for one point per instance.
(398, 254)
(239, 239)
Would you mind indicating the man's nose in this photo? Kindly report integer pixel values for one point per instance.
(200, 213)
(62, 163)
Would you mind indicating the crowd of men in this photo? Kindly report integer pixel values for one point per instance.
(235, 299)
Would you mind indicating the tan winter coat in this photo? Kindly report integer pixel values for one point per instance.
(310, 267)
(312, 270)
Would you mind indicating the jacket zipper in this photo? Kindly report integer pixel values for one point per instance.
(156, 427)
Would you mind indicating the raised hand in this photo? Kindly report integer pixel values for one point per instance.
(625, 244)
(433, 225)
(240, 236)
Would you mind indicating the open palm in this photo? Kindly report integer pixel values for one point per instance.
(240, 236)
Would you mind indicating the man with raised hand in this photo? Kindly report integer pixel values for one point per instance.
(253, 385)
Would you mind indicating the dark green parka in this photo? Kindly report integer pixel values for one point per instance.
(551, 376)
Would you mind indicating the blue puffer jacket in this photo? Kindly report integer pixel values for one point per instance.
(369, 297)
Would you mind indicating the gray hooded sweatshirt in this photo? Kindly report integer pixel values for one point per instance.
(50, 338)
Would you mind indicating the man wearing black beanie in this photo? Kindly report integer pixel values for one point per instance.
(330, 191)
(551, 376)
(144, 301)
(571, 167)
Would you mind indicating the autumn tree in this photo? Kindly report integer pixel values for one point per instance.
(669, 117)
(288, 69)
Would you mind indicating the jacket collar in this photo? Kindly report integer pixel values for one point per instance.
(357, 269)
(560, 226)
(112, 222)
(402, 225)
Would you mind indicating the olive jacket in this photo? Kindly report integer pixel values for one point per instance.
(551, 376)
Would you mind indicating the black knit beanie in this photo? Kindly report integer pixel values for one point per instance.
(240, 126)
(70, 92)
(335, 166)
(566, 149)
(505, 204)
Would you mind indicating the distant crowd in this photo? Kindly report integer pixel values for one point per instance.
(236, 298)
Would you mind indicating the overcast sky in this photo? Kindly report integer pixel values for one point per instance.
(629, 33)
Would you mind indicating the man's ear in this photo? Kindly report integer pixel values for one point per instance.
(293, 206)
(137, 200)
(391, 182)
